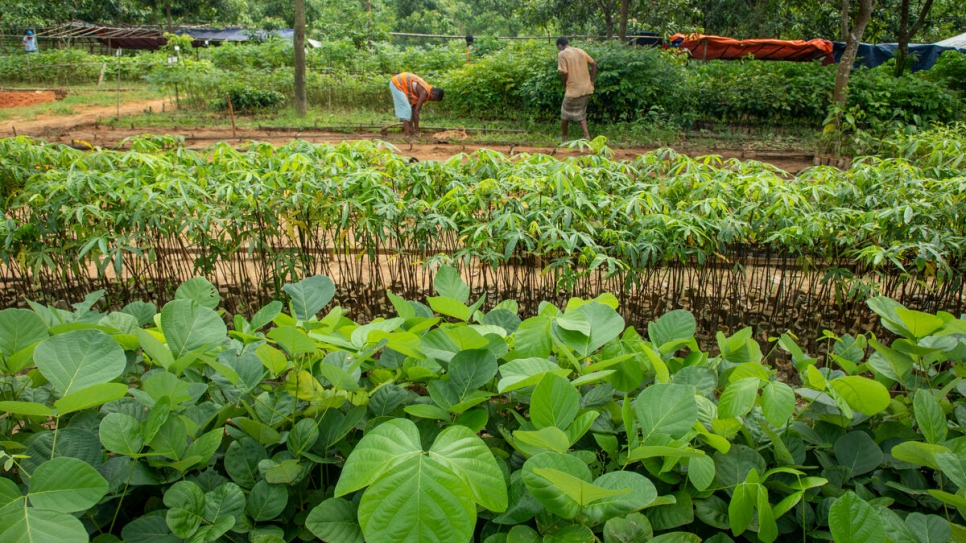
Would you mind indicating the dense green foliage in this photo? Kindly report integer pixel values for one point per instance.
(520, 81)
(657, 230)
(446, 423)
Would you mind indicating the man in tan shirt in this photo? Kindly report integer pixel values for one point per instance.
(578, 72)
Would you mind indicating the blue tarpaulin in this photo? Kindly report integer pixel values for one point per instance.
(871, 55)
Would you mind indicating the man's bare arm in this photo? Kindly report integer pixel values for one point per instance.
(593, 72)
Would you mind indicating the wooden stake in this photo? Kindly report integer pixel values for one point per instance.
(231, 112)
(100, 78)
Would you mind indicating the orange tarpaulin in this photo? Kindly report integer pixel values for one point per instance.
(711, 47)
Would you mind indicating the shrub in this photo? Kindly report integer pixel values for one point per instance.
(450, 423)
(246, 98)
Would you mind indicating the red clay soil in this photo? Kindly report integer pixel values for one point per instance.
(24, 99)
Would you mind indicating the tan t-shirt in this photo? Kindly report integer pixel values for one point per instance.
(573, 62)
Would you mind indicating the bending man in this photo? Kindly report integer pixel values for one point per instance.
(578, 82)
(409, 93)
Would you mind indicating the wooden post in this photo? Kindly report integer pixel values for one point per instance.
(231, 113)
(118, 116)
(100, 78)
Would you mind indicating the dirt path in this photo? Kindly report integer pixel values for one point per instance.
(46, 126)
(105, 136)
(83, 128)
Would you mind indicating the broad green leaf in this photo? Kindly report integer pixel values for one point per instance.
(466, 455)
(777, 403)
(470, 370)
(80, 359)
(863, 395)
(293, 341)
(738, 398)
(310, 295)
(155, 349)
(523, 534)
(952, 466)
(920, 454)
(199, 290)
(419, 501)
(227, 500)
(189, 326)
(733, 467)
(930, 528)
(671, 511)
(605, 325)
(642, 493)
(241, 461)
(574, 533)
(676, 325)
(677, 537)
(66, 485)
(449, 283)
(852, 520)
(554, 402)
(426, 411)
(448, 307)
(578, 490)
(553, 498)
(32, 525)
(205, 446)
(121, 433)
(334, 520)
(186, 508)
(10, 496)
(629, 529)
(549, 438)
(532, 338)
(92, 396)
(30, 409)
(701, 472)
(895, 528)
(266, 314)
(857, 451)
(741, 509)
(667, 409)
(303, 436)
(149, 530)
(929, 416)
(524, 372)
(918, 323)
(266, 501)
(402, 307)
(20, 328)
(387, 444)
(260, 431)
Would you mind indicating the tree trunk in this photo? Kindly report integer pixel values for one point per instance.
(845, 20)
(853, 38)
(301, 107)
(605, 8)
(167, 9)
(906, 32)
(622, 29)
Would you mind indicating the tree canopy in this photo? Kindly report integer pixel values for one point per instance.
(787, 19)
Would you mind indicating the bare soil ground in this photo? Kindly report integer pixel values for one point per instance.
(24, 99)
(84, 128)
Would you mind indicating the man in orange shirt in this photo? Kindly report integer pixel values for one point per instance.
(409, 93)
(578, 72)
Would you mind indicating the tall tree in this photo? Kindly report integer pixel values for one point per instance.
(622, 30)
(299, 43)
(853, 36)
(906, 32)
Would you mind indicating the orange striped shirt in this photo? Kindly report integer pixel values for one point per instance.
(406, 82)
